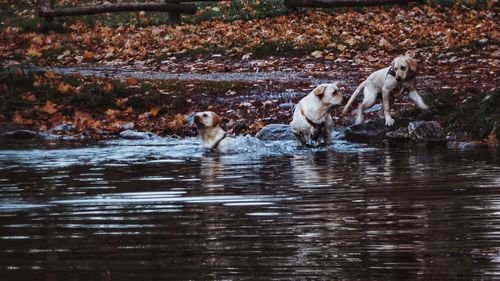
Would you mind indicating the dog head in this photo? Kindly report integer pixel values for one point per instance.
(405, 67)
(329, 94)
(205, 119)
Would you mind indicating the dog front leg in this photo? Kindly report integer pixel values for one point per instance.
(387, 110)
(418, 100)
(327, 136)
(300, 139)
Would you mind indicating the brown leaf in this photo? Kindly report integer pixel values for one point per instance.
(64, 88)
(132, 81)
(18, 118)
(111, 113)
(492, 139)
(154, 110)
(29, 97)
(180, 119)
(49, 107)
(108, 86)
(88, 55)
(32, 52)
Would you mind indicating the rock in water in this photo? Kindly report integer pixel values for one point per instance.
(426, 132)
(373, 130)
(63, 128)
(135, 135)
(283, 132)
(20, 134)
(399, 135)
(274, 132)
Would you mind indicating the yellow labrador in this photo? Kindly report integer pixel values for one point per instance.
(400, 75)
(311, 118)
(207, 124)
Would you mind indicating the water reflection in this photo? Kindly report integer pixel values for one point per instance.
(380, 214)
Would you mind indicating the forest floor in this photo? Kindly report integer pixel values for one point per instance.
(104, 74)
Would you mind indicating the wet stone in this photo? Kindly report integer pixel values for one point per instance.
(373, 130)
(466, 145)
(135, 135)
(427, 131)
(287, 106)
(63, 128)
(20, 134)
(398, 135)
(274, 132)
(283, 132)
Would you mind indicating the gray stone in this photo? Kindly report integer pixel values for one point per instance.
(374, 108)
(398, 135)
(135, 135)
(20, 134)
(63, 128)
(466, 145)
(128, 126)
(426, 131)
(287, 106)
(283, 132)
(274, 132)
(373, 130)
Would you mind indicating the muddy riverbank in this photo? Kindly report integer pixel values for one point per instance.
(99, 102)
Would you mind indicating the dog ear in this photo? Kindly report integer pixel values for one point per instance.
(412, 64)
(215, 119)
(319, 91)
(338, 84)
(411, 53)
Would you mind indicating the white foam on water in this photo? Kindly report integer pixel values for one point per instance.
(160, 150)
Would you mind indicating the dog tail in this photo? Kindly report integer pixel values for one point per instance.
(353, 97)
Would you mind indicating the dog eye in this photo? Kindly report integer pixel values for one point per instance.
(403, 68)
(205, 115)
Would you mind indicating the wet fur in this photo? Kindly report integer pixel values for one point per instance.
(315, 108)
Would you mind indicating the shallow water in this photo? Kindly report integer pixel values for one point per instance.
(164, 209)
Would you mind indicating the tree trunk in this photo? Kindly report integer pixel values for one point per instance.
(123, 7)
(342, 3)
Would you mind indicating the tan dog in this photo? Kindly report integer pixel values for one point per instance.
(311, 118)
(207, 124)
(400, 75)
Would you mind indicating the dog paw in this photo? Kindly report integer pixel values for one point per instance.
(389, 121)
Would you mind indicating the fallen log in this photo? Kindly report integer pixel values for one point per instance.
(342, 3)
(122, 7)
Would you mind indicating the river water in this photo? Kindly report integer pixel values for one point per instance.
(164, 209)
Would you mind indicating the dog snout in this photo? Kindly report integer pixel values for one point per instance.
(398, 78)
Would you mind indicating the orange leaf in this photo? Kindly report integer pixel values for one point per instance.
(132, 81)
(112, 113)
(32, 52)
(50, 74)
(64, 88)
(17, 118)
(49, 107)
(180, 119)
(88, 55)
(492, 139)
(108, 87)
(154, 110)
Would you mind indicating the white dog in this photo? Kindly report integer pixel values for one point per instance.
(207, 124)
(400, 75)
(311, 118)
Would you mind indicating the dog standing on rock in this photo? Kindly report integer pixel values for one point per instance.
(395, 78)
(311, 117)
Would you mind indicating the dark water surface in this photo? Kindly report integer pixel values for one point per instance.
(165, 210)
